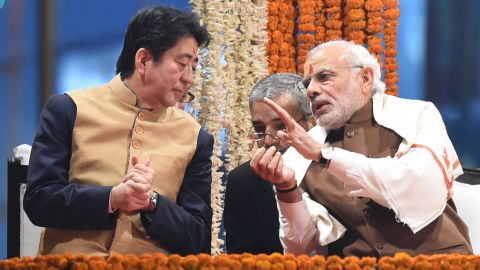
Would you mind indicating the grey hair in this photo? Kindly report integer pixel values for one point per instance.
(357, 55)
(281, 84)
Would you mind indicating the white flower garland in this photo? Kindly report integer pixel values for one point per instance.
(234, 61)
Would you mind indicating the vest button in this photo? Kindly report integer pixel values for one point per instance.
(378, 245)
(139, 130)
(141, 115)
(136, 144)
(351, 133)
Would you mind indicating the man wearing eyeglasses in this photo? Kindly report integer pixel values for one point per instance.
(250, 215)
(116, 168)
(383, 166)
(185, 99)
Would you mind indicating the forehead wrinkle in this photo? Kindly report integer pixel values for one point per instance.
(332, 56)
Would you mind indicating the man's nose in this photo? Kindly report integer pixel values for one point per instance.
(187, 76)
(270, 137)
(269, 140)
(314, 89)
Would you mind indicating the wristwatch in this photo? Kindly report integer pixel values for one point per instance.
(154, 201)
(326, 155)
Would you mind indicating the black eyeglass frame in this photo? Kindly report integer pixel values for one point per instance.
(187, 98)
(260, 136)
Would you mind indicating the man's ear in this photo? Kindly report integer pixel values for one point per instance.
(367, 79)
(141, 57)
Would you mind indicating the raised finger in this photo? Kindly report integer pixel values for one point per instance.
(283, 114)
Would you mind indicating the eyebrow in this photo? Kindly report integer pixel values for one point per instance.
(275, 120)
(323, 69)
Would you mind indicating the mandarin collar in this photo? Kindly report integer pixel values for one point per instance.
(126, 96)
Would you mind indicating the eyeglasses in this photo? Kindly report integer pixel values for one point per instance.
(323, 75)
(187, 98)
(260, 136)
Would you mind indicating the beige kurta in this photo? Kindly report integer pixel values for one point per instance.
(108, 130)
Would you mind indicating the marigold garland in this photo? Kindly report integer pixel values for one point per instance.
(333, 22)
(390, 16)
(354, 21)
(367, 22)
(306, 28)
(374, 28)
(320, 19)
(281, 27)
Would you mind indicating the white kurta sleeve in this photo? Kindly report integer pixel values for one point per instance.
(416, 183)
(306, 227)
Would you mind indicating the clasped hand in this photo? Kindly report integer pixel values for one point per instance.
(136, 188)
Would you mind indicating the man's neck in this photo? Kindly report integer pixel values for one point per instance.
(132, 86)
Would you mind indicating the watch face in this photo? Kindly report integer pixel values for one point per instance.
(327, 152)
(154, 200)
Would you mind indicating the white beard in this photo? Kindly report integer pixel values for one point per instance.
(342, 109)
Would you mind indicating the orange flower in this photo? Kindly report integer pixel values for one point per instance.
(333, 35)
(273, 8)
(356, 14)
(333, 2)
(334, 263)
(391, 3)
(307, 18)
(373, 5)
(357, 36)
(391, 14)
(304, 262)
(357, 25)
(333, 13)
(354, 3)
(306, 27)
(290, 265)
(319, 262)
(333, 24)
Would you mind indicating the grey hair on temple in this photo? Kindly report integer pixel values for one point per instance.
(281, 84)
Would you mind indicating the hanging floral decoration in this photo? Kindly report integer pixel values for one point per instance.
(390, 16)
(212, 104)
(320, 18)
(281, 50)
(355, 21)
(333, 23)
(374, 28)
(371, 23)
(231, 65)
(306, 27)
(253, 38)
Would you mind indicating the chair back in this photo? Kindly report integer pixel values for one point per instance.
(22, 236)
